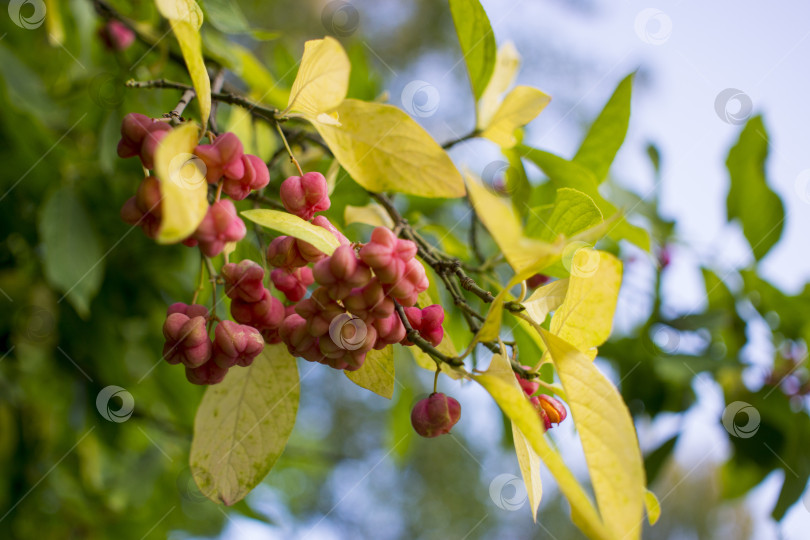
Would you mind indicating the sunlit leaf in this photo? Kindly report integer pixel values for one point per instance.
(371, 214)
(323, 77)
(585, 317)
(573, 212)
(520, 107)
(546, 299)
(292, 225)
(183, 187)
(750, 199)
(608, 438)
(384, 149)
(243, 425)
(507, 64)
(607, 133)
(377, 373)
(186, 17)
(652, 506)
(477, 42)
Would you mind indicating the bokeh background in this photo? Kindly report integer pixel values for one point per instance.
(83, 296)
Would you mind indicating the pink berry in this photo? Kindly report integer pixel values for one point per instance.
(305, 195)
(435, 415)
(144, 209)
(133, 129)
(154, 134)
(283, 253)
(187, 340)
(529, 387)
(256, 176)
(116, 36)
(428, 322)
(390, 330)
(387, 255)
(369, 302)
(193, 310)
(318, 310)
(267, 313)
(236, 344)
(244, 280)
(219, 226)
(207, 373)
(341, 272)
(222, 158)
(293, 283)
(312, 254)
(413, 281)
(296, 336)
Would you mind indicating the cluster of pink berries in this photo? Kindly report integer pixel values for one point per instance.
(550, 409)
(207, 361)
(352, 310)
(225, 163)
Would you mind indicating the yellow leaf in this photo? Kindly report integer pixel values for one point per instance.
(502, 222)
(183, 188)
(529, 463)
(323, 78)
(608, 438)
(371, 214)
(384, 149)
(519, 108)
(653, 507)
(377, 373)
(186, 17)
(545, 300)
(514, 404)
(507, 64)
(294, 226)
(585, 317)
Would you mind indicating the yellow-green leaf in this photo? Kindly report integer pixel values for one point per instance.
(519, 108)
(384, 149)
(294, 226)
(507, 64)
(652, 506)
(529, 463)
(183, 188)
(243, 425)
(608, 438)
(323, 78)
(499, 217)
(514, 404)
(585, 317)
(377, 373)
(186, 17)
(477, 42)
(371, 214)
(546, 299)
(240, 123)
(572, 212)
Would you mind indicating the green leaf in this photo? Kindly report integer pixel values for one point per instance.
(74, 261)
(322, 80)
(608, 438)
(377, 373)
(384, 149)
(607, 133)
(477, 42)
(520, 107)
(371, 214)
(186, 17)
(573, 212)
(183, 189)
(226, 16)
(243, 425)
(564, 173)
(292, 225)
(750, 200)
(512, 401)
